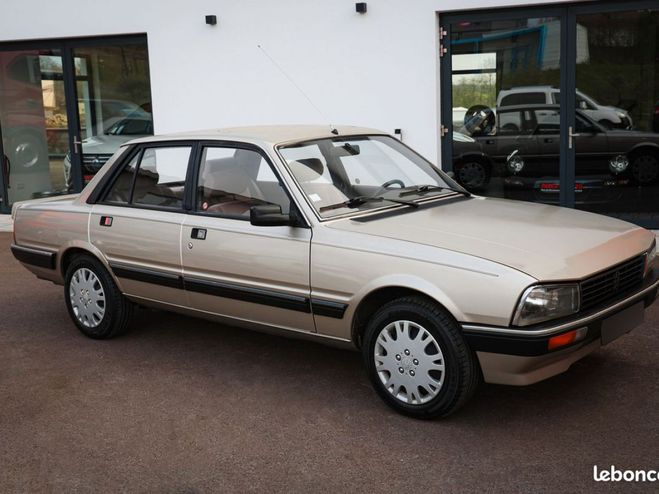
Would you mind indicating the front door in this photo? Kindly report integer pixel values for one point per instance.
(137, 225)
(232, 268)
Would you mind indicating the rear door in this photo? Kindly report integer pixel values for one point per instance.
(137, 225)
(232, 268)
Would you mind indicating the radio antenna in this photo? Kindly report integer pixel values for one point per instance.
(306, 96)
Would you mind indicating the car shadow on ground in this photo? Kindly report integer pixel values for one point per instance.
(337, 376)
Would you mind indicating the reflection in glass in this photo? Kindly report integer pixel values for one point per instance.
(617, 153)
(33, 130)
(114, 101)
(505, 76)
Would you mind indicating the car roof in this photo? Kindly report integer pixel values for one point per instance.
(270, 134)
(539, 87)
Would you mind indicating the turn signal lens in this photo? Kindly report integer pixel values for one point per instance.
(566, 338)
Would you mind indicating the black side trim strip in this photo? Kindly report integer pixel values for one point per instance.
(328, 308)
(508, 345)
(298, 303)
(147, 276)
(248, 294)
(34, 257)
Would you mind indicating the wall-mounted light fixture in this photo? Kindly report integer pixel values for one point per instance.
(211, 20)
(361, 7)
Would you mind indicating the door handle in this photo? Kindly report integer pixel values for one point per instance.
(570, 136)
(198, 234)
(489, 141)
(549, 140)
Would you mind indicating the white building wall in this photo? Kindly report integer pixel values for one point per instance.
(378, 70)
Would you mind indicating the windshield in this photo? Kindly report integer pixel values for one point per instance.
(340, 175)
(131, 127)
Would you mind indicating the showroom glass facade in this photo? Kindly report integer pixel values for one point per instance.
(556, 105)
(65, 107)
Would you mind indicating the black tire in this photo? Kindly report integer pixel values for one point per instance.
(117, 308)
(645, 168)
(473, 174)
(462, 371)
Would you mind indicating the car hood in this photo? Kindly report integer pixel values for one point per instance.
(633, 135)
(545, 242)
(105, 144)
(616, 109)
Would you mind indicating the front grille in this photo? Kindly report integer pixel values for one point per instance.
(613, 283)
(93, 162)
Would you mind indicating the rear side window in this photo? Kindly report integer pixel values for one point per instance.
(523, 99)
(153, 178)
(120, 191)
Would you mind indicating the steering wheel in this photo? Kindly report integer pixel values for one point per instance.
(388, 184)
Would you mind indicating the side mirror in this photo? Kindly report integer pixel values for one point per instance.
(268, 215)
(451, 174)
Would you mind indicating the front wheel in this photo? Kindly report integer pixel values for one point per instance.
(645, 169)
(94, 301)
(473, 175)
(417, 359)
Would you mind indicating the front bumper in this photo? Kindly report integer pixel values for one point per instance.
(520, 357)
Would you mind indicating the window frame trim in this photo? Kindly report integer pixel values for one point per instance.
(137, 150)
(358, 213)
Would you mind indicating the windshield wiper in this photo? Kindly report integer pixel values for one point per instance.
(357, 201)
(422, 189)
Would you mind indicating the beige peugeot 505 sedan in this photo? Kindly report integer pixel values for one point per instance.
(346, 236)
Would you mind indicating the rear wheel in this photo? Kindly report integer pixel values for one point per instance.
(94, 301)
(417, 359)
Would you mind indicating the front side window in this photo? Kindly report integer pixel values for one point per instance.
(232, 180)
(341, 174)
(153, 178)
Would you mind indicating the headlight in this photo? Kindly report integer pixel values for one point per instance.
(650, 256)
(618, 164)
(543, 302)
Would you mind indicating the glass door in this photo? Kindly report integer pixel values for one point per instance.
(33, 123)
(504, 92)
(65, 107)
(113, 104)
(616, 131)
(556, 105)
